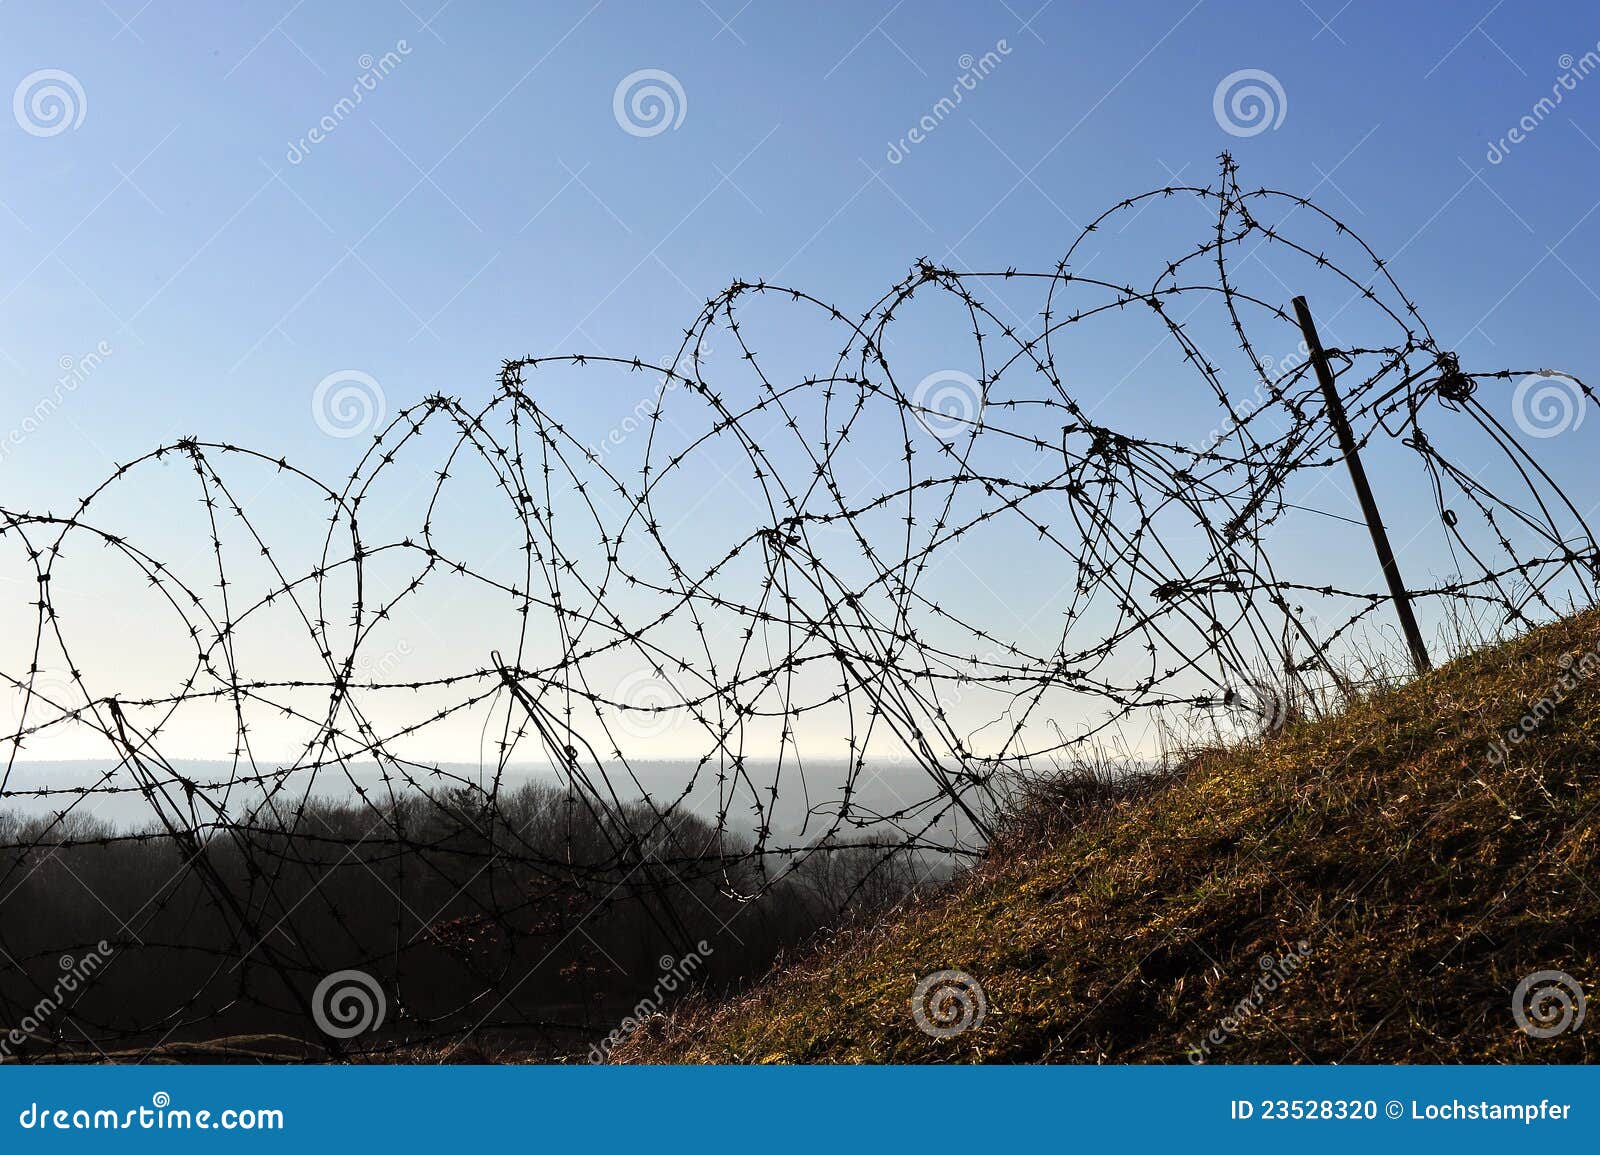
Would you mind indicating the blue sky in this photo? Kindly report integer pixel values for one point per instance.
(483, 201)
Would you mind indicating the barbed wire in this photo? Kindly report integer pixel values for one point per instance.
(832, 627)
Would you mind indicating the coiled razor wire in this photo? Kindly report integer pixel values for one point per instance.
(778, 560)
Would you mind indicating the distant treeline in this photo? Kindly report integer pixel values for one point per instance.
(528, 920)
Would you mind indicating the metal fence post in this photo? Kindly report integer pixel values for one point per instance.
(1358, 477)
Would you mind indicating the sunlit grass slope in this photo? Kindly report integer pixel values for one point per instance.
(1369, 887)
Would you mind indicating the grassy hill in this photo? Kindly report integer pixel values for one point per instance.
(1365, 888)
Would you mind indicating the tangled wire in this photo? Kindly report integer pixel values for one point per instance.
(785, 580)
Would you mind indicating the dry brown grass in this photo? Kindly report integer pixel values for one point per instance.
(1426, 878)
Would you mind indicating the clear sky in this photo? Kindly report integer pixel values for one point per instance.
(206, 218)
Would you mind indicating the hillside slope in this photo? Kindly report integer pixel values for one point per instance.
(1366, 888)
